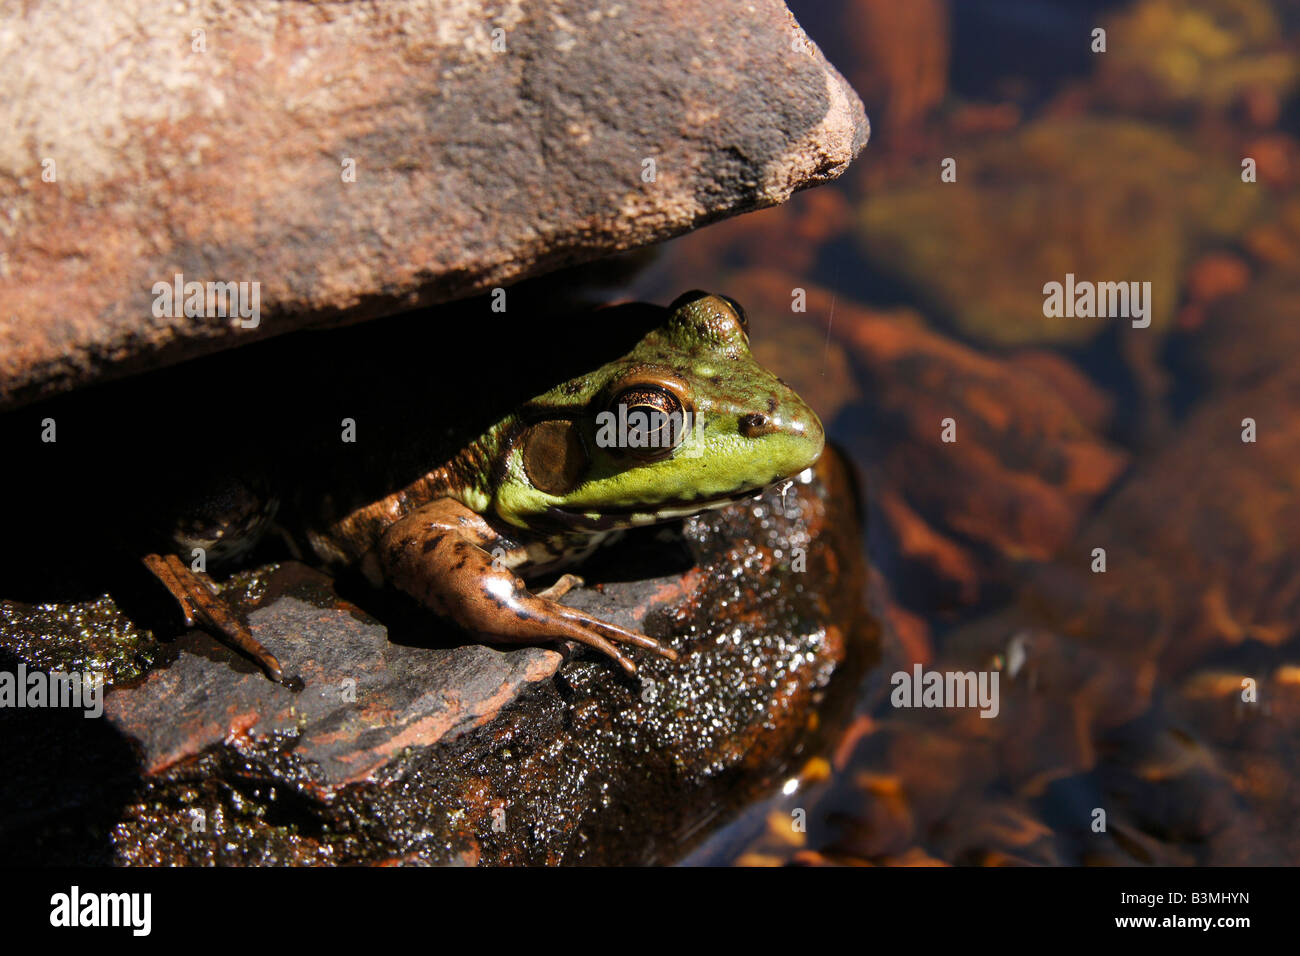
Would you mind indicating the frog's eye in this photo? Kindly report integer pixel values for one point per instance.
(740, 313)
(650, 421)
(686, 298)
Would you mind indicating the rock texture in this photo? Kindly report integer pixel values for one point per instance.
(1223, 511)
(356, 159)
(368, 699)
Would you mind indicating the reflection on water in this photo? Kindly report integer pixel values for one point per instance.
(1112, 525)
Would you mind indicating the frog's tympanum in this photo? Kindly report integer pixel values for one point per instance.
(685, 421)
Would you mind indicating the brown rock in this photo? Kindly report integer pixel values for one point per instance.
(919, 544)
(1094, 407)
(1216, 275)
(1024, 468)
(1202, 541)
(215, 144)
(367, 698)
(1250, 336)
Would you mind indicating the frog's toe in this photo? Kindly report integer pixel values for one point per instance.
(618, 634)
(573, 629)
(565, 584)
(202, 607)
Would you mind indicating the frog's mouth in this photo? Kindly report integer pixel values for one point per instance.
(628, 516)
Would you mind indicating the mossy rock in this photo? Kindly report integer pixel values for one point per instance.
(1170, 53)
(1107, 200)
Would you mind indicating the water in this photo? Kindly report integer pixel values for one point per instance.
(1114, 532)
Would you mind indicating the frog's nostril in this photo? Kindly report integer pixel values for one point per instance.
(755, 425)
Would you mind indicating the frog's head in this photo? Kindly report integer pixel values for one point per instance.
(685, 421)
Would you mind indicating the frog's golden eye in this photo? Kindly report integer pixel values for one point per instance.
(740, 313)
(650, 421)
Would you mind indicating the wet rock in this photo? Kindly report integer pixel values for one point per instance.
(1094, 407)
(1213, 276)
(1255, 744)
(453, 752)
(1201, 539)
(1202, 542)
(1106, 200)
(1249, 337)
(357, 161)
(1076, 731)
(1162, 691)
(87, 635)
(367, 698)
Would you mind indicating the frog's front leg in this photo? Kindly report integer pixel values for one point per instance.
(202, 607)
(439, 554)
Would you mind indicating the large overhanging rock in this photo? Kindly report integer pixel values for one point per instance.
(355, 159)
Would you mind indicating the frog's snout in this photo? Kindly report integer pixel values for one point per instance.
(807, 431)
(813, 433)
(791, 436)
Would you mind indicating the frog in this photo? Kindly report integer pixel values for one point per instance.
(684, 422)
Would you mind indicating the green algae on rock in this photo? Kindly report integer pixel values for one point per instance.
(1106, 200)
(97, 634)
(1171, 54)
(82, 636)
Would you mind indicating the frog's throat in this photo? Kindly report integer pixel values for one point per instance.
(631, 516)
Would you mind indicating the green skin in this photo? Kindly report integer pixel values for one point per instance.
(542, 488)
(705, 346)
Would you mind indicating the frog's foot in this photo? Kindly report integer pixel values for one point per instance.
(204, 608)
(565, 584)
(559, 621)
(437, 555)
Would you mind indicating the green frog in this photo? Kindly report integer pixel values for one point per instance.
(685, 421)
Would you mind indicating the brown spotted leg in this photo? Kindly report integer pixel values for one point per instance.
(203, 608)
(438, 554)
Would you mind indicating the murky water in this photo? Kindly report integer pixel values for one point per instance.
(1089, 503)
